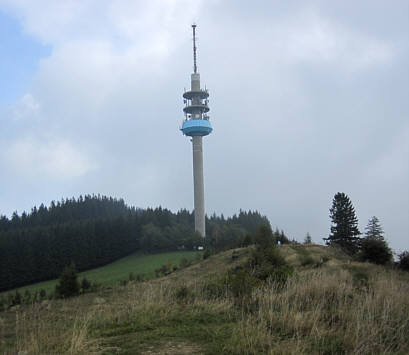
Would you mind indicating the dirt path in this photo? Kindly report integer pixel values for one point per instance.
(174, 348)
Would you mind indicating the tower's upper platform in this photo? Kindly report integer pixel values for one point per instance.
(194, 128)
(196, 102)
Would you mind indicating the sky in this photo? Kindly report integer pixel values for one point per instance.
(307, 99)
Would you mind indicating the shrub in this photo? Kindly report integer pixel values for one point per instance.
(214, 289)
(403, 262)
(27, 297)
(240, 283)
(16, 299)
(306, 260)
(375, 251)
(184, 263)
(85, 284)
(183, 294)
(281, 274)
(206, 254)
(68, 284)
(360, 276)
(43, 294)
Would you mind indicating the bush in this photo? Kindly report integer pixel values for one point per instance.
(16, 298)
(85, 284)
(360, 277)
(27, 297)
(266, 257)
(206, 254)
(403, 262)
(184, 263)
(306, 260)
(240, 283)
(68, 284)
(281, 274)
(375, 251)
(183, 294)
(214, 289)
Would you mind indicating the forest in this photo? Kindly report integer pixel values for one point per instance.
(95, 230)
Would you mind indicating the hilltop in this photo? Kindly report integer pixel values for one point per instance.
(328, 304)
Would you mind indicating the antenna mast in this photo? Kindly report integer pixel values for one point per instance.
(194, 49)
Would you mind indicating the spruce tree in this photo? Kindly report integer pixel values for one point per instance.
(68, 285)
(344, 228)
(374, 229)
(374, 247)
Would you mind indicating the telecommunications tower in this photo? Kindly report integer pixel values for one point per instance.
(196, 125)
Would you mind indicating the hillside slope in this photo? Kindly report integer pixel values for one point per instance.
(330, 305)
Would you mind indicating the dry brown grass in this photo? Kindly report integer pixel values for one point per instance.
(326, 312)
(340, 307)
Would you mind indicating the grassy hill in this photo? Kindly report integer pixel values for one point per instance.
(330, 305)
(112, 274)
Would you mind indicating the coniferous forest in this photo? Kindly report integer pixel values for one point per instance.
(92, 231)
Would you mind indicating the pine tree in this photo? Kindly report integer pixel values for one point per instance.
(68, 285)
(308, 239)
(374, 229)
(344, 228)
(374, 247)
(404, 260)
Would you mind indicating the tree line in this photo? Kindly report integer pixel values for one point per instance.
(93, 231)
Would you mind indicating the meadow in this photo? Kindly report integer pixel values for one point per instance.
(330, 305)
(112, 274)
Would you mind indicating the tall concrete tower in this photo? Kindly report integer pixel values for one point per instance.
(196, 125)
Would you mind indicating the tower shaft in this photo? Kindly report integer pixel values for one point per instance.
(197, 125)
(198, 184)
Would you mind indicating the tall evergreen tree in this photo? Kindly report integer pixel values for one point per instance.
(344, 228)
(374, 247)
(374, 229)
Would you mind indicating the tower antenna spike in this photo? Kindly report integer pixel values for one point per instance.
(194, 48)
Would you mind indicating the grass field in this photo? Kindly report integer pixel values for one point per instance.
(112, 274)
(330, 305)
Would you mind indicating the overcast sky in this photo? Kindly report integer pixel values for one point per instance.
(307, 98)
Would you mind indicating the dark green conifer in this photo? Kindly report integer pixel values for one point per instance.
(374, 247)
(344, 228)
(68, 284)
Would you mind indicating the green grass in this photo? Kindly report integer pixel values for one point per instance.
(112, 274)
(190, 323)
(320, 311)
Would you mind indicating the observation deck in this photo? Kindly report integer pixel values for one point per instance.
(195, 128)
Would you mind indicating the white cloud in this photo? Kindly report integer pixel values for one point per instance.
(47, 159)
(26, 107)
(107, 103)
(148, 23)
(320, 41)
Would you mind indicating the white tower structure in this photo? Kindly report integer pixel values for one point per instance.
(197, 125)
